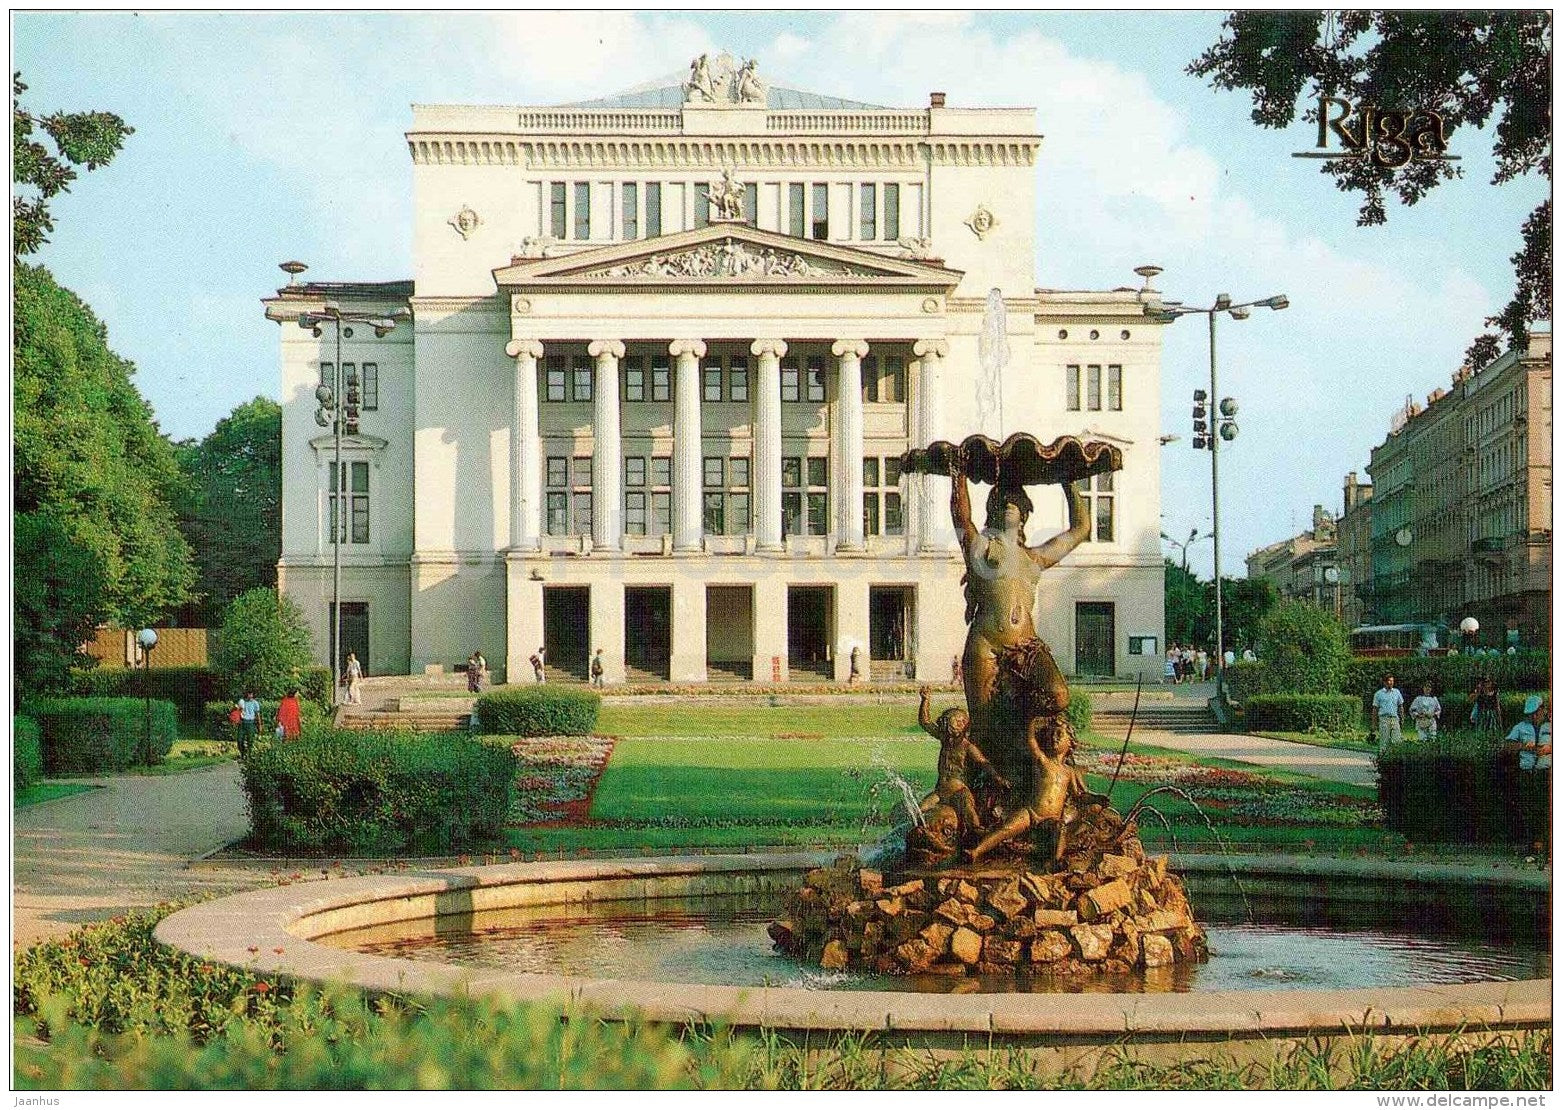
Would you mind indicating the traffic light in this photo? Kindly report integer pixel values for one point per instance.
(1201, 430)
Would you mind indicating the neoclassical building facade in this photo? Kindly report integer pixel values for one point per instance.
(662, 355)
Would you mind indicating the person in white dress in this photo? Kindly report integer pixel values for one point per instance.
(1425, 711)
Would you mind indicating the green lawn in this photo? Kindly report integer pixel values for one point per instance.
(48, 791)
(897, 717)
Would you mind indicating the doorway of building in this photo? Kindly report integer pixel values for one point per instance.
(355, 635)
(809, 619)
(648, 633)
(566, 630)
(890, 610)
(1095, 633)
(729, 633)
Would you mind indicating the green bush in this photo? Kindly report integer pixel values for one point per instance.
(26, 753)
(216, 726)
(1450, 674)
(1305, 646)
(1079, 710)
(1456, 710)
(263, 645)
(538, 711)
(1245, 680)
(315, 686)
(96, 735)
(1463, 789)
(189, 688)
(1303, 712)
(377, 793)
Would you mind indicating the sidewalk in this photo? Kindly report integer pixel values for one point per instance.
(127, 844)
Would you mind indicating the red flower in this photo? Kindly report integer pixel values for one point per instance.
(262, 987)
(84, 962)
(278, 951)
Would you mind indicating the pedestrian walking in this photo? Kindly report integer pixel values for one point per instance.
(290, 720)
(1201, 665)
(249, 721)
(1425, 711)
(1169, 671)
(474, 673)
(353, 676)
(1388, 706)
(856, 666)
(1486, 715)
(596, 668)
(537, 667)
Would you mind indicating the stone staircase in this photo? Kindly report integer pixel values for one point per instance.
(419, 717)
(1111, 716)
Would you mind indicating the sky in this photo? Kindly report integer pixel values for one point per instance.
(266, 137)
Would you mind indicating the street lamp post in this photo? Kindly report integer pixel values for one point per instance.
(147, 639)
(1194, 536)
(1209, 436)
(339, 411)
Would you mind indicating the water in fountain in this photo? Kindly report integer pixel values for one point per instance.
(1225, 850)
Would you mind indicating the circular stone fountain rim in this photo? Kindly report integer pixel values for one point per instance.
(267, 932)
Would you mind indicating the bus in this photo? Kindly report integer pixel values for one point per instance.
(1389, 641)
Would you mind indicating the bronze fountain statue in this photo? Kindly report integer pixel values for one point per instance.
(1012, 864)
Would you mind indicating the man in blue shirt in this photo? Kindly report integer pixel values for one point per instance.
(1388, 705)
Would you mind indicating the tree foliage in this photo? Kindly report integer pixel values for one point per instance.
(1306, 646)
(232, 511)
(87, 452)
(89, 139)
(1469, 66)
(1189, 609)
(1245, 601)
(58, 601)
(262, 645)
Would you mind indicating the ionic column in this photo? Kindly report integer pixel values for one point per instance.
(607, 465)
(767, 443)
(934, 532)
(688, 472)
(848, 401)
(525, 449)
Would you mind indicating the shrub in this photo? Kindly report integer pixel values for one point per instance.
(1303, 712)
(263, 645)
(216, 726)
(26, 753)
(95, 735)
(1079, 710)
(376, 793)
(1460, 788)
(1456, 711)
(1244, 680)
(189, 688)
(315, 687)
(538, 711)
(1450, 674)
(1305, 647)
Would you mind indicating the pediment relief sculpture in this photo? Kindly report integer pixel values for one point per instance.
(731, 259)
(720, 82)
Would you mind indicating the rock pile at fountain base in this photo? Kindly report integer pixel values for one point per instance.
(1109, 910)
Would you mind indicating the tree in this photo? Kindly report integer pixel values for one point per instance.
(89, 139)
(1245, 601)
(232, 514)
(58, 601)
(87, 451)
(1306, 646)
(1189, 607)
(1465, 65)
(262, 645)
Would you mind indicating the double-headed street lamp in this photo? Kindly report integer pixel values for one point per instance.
(338, 411)
(1208, 436)
(1194, 536)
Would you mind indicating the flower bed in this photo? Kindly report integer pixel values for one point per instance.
(555, 778)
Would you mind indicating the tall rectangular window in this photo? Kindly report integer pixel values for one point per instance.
(1100, 499)
(653, 209)
(819, 225)
(634, 495)
(556, 212)
(349, 512)
(634, 378)
(867, 211)
(661, 379)
(1114, 388)
(815, 379)
(881, 491)
(891, 212)
(702, 204)
(1071, 388)
(630, 218)
(1093, 388)
(713, 375)
(796, 217)
(791, 379)
(371, 386)
(751, 204)
(580, 378)
(557, 496)
(583, 210)
(737, 381)
(557, 380)
(870, 381)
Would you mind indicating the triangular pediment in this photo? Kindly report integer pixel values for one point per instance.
(725, 254)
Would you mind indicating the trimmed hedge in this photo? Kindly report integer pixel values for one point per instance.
(1450, 674)
(1462, 789)
(26, 753)
(95, 735)
(538, 711)
(1456, 711)
(1303, 712)
(216, 726)
(189, 688)
(1080, 709)
(1246, 680)
(377, 793)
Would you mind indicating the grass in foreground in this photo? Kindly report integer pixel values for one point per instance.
(106, 1008)
(48, 791)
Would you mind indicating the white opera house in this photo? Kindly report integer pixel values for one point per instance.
(656, 365)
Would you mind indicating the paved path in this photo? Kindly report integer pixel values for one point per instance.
(1332, 764)
(127, 844)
